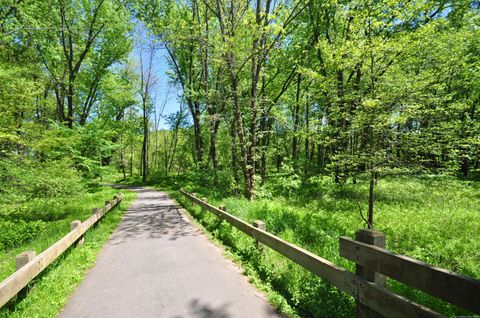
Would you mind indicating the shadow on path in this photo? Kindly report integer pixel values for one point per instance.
(158, 264)
(155, 217)
(198, 309)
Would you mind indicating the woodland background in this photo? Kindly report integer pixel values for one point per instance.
(320, 117)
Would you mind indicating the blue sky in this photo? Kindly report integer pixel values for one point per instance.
(165, 95)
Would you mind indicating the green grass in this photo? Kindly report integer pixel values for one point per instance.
(431, 218)
(50, 291)
(54, 215)
(274, 297)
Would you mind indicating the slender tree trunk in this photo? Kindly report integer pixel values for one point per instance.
(140, 166)
(465, 168)
(131, 160)
(371, 199)
(197, 133)
(145, 144)
(213, 149)
(69, 118)
(307, 130)
(296, 120)
(248, 178)
(174, 148)
(236, 178)
(122, 160)
(59, 96)
(263, 143)
(307, 137)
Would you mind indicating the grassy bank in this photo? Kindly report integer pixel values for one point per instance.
(431, 218)
(50, 292)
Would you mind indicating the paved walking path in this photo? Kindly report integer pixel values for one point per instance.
(158, 264)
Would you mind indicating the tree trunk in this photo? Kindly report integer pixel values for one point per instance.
(296, 120)
(197, 133)
(371, 199)
(131, 160)
(213, 149)
(236, 178)
(307, 131)
(465, 167)
(145, 143)
(248, 177)
(69, 118)
(59, 96)
(264, 143)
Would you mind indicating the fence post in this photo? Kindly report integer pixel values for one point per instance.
(375, 238)
(224, 209)
(23, 259)
(188, 201)
(73, 226)
(20, 261)
(95, 211)
(261, 226)
(206, 201)
(194, 195)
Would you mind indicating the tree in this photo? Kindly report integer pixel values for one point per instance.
(76, 31)
(148, 81)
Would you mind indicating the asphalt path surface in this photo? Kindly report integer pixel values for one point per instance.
(158, 264)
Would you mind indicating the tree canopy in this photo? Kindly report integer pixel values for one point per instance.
(345, 88)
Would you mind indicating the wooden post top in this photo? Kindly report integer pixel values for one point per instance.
(259, 224)
(371, 237)
(24, 258)
(27, 254)
(75, 224)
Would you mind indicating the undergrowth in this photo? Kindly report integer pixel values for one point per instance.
(49, 292)
(431, 218)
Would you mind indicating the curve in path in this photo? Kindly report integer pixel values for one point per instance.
(158, 264)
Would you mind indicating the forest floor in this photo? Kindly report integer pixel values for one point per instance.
(433, 218)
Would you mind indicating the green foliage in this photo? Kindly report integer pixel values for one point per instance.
(326, 87)
(293, 102)
(418, 214)
(37, 196)
(27, 188)
(52, 290)
(14, 234)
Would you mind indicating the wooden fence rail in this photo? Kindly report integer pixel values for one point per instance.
(456, 289)
(12, 285)
(451, 287)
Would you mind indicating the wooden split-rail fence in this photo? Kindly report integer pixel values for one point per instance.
(373, 264)
(29, 265)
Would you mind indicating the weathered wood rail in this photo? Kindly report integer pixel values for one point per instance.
(456, 289)
(367, 285)
(31, 268)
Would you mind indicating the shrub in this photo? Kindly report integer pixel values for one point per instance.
(14, 234)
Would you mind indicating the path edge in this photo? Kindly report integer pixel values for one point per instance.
(252, 279)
